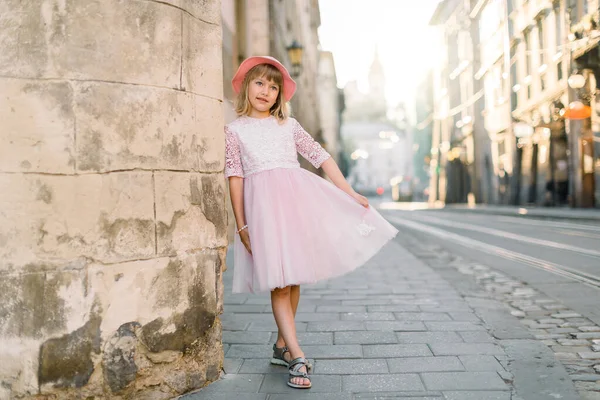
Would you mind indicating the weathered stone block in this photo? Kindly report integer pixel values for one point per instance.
(24, 47)
(70, 39)
(39, 302)
(202, 58)
(118, 357)
(38, 126)
(67, 361)
(107, 217)
(190, 212)
(179, 297)
(205, 10)
(120, 127)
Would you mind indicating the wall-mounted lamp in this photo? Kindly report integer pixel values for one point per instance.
(295, 55)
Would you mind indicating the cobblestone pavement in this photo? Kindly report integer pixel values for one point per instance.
(575, 340)
(402, 327)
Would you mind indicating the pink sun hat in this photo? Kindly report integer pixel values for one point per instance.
(289, 85)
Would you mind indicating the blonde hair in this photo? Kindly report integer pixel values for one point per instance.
(280, 109)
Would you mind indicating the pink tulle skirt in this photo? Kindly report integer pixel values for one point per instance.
(303, 229)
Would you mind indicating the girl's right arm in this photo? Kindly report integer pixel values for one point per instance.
(236, 192)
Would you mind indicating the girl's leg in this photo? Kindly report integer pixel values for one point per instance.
(294, 299)
(284, 317)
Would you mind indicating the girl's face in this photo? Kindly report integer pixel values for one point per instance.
(262, 94)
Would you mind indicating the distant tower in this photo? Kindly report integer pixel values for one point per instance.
(377, 88)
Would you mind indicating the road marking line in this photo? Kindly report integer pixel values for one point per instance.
(548, 266)
(513, 236)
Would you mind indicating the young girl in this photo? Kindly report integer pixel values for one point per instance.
(294, 227)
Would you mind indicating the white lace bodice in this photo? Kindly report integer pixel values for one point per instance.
(253, 145)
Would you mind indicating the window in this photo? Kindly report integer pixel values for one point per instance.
(541, 42)
(559, 71)
(514, 79)
(527, 40)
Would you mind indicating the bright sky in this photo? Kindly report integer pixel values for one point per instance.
(351, 29)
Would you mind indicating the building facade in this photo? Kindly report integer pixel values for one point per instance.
(112, 216)
(460, 155)
(538, 151)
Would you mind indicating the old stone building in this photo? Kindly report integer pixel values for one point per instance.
(112, 216)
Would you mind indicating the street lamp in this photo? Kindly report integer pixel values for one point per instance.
(295, 55)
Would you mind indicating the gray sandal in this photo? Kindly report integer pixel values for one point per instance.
(294, 372)
(279, 358)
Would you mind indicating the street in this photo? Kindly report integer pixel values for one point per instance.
(461, 306)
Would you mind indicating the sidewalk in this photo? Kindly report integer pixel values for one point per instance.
(391, 329)
(580, 214)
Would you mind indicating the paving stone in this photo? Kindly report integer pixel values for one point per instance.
(232, 365)
(424, 364)
(242, 383)
(399, 326)
(243, 337)
(249, 351)
(586, 377)
(205, 394)
(589, 328)
(448, 309)
(335, 326)
(428, 337)
(272, 327)
(570, 349)
(276, 383)
(481, 363)
(333, 351)
(365, 337)
(235, 325)
(308, 395)
(260, 366)
(463, 381)
(454, 326)
(366, 366)
(393, 308)
(308, 338)
(368, 316)
(573, 342)
(396, 350)
(476, 337)
(464, 316)
(590, 355)
(309, 317)
(563, 315)
(407, 316)
(341, 309)
(459, 349)
(370, 302)
(382, 383)
(478, 395)
(586, 335)
(397, 396)
(550, 336)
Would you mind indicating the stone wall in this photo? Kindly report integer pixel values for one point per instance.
(112, 205)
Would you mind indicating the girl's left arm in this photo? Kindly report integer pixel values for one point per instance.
(332, 170)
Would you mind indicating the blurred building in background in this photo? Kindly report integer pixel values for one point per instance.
(331, 106)
(378, 146)
(515, 118)
(422, 137)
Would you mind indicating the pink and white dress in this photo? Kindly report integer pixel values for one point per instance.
(302, 228)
